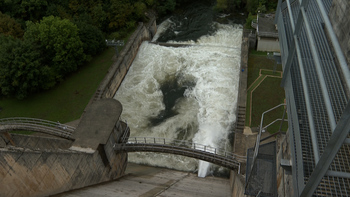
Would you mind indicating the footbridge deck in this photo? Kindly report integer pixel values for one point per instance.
(184, 148)
(33, 124)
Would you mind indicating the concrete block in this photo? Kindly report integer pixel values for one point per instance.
(49, 182)
(48, 158)
(28, 159)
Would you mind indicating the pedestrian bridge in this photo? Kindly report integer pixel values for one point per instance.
(182, 147)
(38, 125)
(132, 144)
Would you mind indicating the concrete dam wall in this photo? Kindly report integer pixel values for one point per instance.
(42, 166)
(119, 69)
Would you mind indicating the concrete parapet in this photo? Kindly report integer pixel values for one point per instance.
(237, 183)
(340, 20)
(40, 142)
(119, 69)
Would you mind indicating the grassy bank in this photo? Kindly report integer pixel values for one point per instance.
(67, 100)
(264, 91)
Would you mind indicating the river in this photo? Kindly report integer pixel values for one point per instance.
(185, 93)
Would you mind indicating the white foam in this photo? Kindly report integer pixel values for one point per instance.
(207, 112)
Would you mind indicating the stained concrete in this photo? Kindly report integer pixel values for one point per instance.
(148, 181)
(96, 125)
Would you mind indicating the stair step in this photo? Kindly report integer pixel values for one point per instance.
(239, 128)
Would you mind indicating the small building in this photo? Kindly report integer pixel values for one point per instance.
(267, 33)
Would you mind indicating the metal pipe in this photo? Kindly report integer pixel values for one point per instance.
(284, 114)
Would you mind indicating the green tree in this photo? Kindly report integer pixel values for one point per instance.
(221, 5)
(10, 27)
(165, 6)
(91, 37)
(140, 9)
(99, 16)
(33, 10)
(21, 68)
(119, 14)
(59, 41)
(252, 6)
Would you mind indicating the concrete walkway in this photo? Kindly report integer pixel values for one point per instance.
(146, 181)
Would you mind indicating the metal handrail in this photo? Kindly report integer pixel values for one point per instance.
(185, 144)
(39, 125)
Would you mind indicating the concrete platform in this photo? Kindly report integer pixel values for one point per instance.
(145, 181)
(97, 124)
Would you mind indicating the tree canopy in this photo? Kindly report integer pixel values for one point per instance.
(48, 51)
(59, 41)
(10, 27)
(21, 68)
(42, 41)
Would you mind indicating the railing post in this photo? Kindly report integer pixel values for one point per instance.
(239, 168)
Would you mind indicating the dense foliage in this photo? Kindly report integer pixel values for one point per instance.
(44, 40)
(250, 6)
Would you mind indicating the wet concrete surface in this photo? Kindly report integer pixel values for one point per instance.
(146, 181)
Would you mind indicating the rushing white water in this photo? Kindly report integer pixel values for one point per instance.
(209, 69)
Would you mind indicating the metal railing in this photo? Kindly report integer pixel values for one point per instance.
(257, 143)
(38, 125)
(181, 147)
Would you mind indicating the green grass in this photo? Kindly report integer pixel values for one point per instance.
(270, 72)
(268, 95)
(66, 101)
(255, 52)
(256, 61)
(250, 89)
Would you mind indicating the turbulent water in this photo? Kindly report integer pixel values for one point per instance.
(185, 93)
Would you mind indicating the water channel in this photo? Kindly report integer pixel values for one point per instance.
(185, 93)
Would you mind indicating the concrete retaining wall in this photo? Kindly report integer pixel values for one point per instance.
(339, 17)
(40, 142)
(119, 69)
(237, 183)
(284, 174)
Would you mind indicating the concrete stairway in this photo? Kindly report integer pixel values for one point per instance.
(240, 119)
